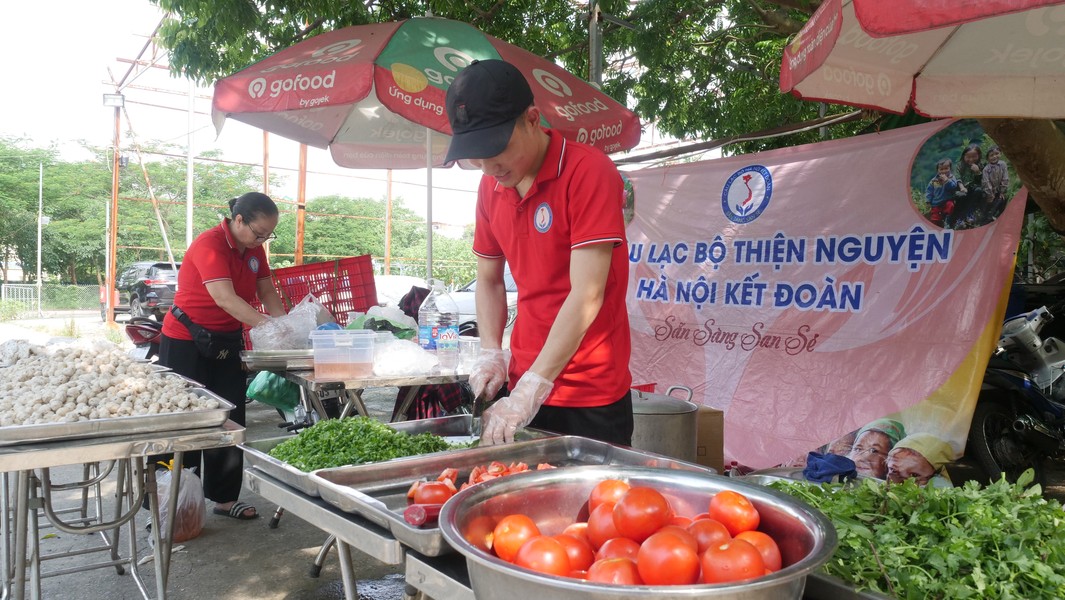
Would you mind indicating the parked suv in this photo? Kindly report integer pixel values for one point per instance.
(146, 289)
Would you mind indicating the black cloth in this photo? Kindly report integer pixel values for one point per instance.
(221, 469)
(611, 423)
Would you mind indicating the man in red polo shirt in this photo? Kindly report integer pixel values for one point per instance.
(551, 208)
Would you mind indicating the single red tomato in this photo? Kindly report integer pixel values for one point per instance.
(601, 525)
(701, 516)
(579, 574)
(735, 560)
(581, 555)
(619, 547)
(641, 512)
(666, 558)
(510, 533)
(433, 492)
(580, 531)
(544, 554)
(683, 534)
(708, 532)
(766, 545)
(620, 571)
(735, 511)
(479, 532)
(608, 490)
(680, 521)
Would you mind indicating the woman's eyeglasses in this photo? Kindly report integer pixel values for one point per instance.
(261, 238)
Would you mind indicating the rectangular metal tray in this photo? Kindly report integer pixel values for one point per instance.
(378, 491)
(49, 432)
(257, 453)
(278, 360)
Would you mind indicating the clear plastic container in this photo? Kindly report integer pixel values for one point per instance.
(438, 326)
(342, 354)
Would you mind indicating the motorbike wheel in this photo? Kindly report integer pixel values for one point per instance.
(999, 449)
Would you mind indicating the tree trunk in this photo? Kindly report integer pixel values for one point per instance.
(1036, 148)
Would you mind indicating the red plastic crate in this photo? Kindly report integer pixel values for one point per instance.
(341, 285)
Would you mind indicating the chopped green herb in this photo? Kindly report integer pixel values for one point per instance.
(353, 441)
(999, 541)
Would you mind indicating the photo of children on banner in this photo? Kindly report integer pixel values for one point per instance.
(996, 182)
(940, 193)
(969, 199)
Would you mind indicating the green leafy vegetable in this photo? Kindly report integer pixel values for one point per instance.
(998, 541)
(353, 441)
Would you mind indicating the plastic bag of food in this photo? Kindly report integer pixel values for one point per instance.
(291, 331)
(190, 512)
(275, 390)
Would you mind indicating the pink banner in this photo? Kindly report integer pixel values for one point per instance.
(810, 290)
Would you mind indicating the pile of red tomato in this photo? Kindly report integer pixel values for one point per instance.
(446, 484)
(633, 537)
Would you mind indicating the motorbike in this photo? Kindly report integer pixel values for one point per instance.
(1019, 420)
(145, 333)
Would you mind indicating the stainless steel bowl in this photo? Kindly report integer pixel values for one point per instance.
(554, 498)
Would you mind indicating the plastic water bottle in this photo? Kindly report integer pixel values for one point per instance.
(438, 326)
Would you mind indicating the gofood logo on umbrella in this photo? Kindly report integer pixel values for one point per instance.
(341, 51)
(571, 110)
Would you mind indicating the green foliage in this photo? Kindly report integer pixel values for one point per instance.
(352, 441)
(696, 69)
(998, 541)
(11, 310)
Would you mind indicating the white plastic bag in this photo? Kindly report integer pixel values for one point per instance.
(291, 331)
(191, 508)
(400, 358)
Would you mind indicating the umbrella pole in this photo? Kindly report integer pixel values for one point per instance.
(429, 203)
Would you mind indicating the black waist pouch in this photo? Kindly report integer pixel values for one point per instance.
(217, 345)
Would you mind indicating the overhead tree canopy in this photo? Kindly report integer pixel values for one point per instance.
(698, 70)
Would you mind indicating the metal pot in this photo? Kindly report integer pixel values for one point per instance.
(665, 424)
(553, 498)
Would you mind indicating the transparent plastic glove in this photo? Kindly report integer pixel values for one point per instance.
(515, 411)
(488, 373)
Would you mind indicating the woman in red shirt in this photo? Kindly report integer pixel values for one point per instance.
(224, 269)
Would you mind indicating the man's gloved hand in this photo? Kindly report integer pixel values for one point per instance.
(488, 373)
(515, 411)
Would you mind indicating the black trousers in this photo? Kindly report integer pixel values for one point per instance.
(611, 423)
(221, 469)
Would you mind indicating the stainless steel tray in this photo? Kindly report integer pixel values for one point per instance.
(378, 491)
(49, 432)
(257, 453)
(278, 360)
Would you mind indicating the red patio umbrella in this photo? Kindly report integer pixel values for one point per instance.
(943, 58)
(370, 92)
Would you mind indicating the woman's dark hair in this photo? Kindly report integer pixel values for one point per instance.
(967, 149)
(251, 206)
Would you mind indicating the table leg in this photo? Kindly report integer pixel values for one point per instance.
(163, 547)
(7, 575)
(347, 573)
(399, 413)
(353, 400)
(33, 537)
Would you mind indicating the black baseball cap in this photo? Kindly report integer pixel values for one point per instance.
(483, 105)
